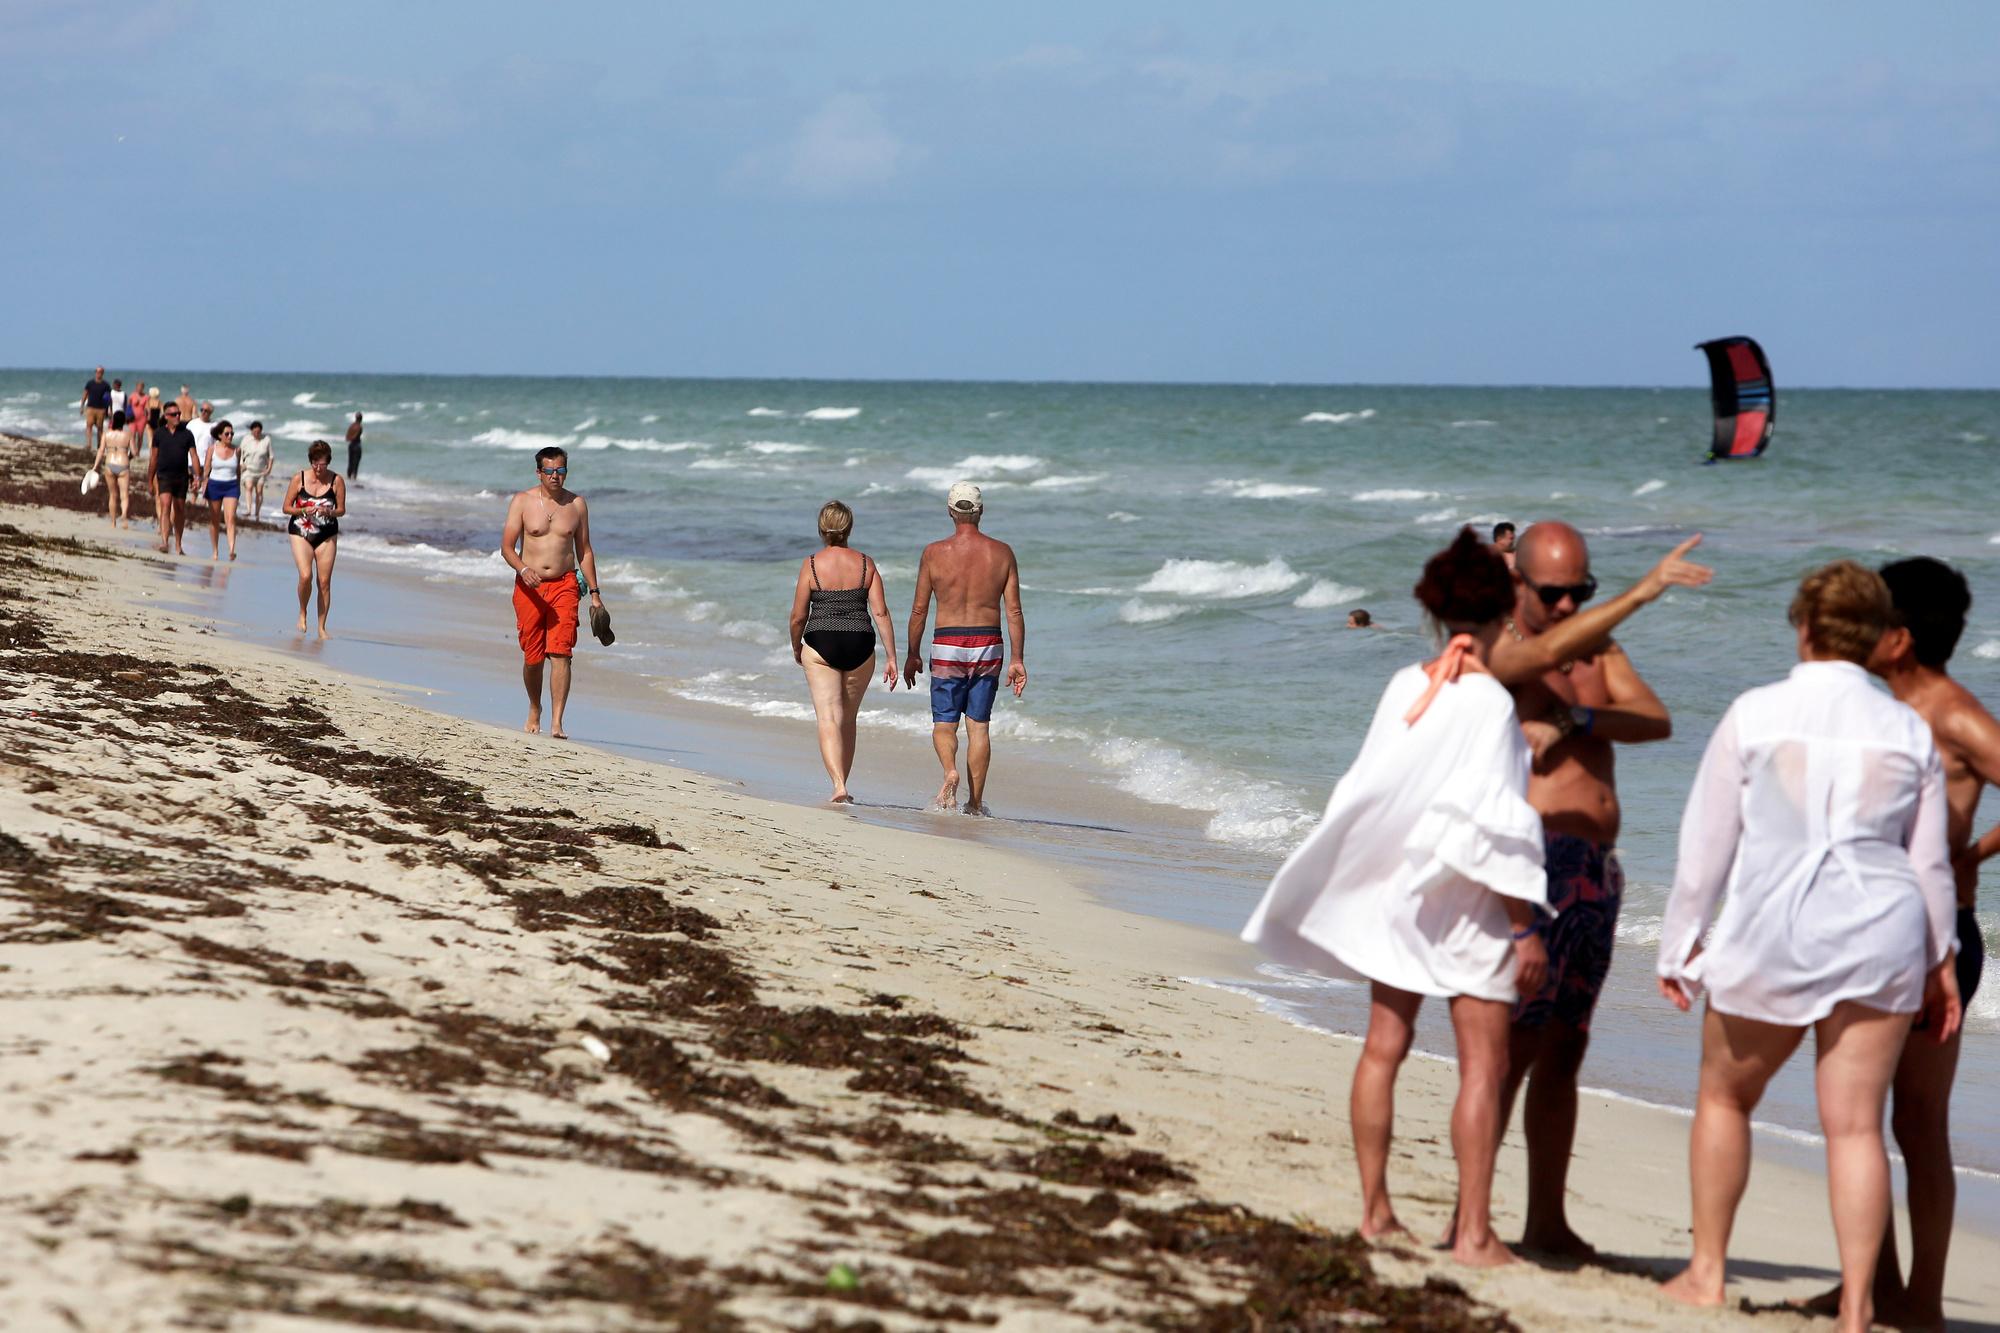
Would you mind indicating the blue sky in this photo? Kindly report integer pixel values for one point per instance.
(1289, 191)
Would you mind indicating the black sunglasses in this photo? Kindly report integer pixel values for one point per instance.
(1551, 593)
(555, 471)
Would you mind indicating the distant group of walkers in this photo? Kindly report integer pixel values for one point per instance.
(189, 455)
(1468, 854)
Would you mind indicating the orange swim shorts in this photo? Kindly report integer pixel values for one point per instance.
(546, 615)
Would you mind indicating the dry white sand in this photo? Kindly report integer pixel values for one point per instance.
(324, 1008)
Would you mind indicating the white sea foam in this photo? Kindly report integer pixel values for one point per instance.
(1647, 488)
(1988, 650)
(649, 418)
(1243, 811)
(831, 413)
(1325, 593)
(1252, 489)
(1336, 418)
(1221, 578)
(500, 437)
(1474, 421)
(1393, 493)
(1437, 516)
(436, 563)
(308, 399)
(251, 402)
(1064, 483)
(852, 462)
(1136, 612)
(779, 447)
(300, 430)
(716, 465)
(764, 412)
(642, 445)
(1120, 516)
(375, 418)
(583, 425)
(985, 469)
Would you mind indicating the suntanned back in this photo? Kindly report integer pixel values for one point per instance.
(968, 573)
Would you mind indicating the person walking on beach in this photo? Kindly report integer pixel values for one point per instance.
(1820, 807)
(152, 414)
(1503, 542)
(203, 426)
(258, 460)
(185, 401)
(1424, 878)
(168, 469)
(221, 486)
(1590, 701)
(354, 447)
(837, 606)
(115, 453)
(316, 499)
(96, 405)
(135, 412)
(972, 576)
(1931, 601)
(546, 541)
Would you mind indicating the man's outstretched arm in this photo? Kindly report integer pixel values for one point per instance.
(1518, 661)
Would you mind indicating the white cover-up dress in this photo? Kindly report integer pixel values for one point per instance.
(1819, 808)
(1401, 881)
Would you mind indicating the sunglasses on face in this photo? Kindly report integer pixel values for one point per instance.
(1552, 593)
(555, 472)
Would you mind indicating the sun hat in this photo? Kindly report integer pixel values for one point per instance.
(964, 498)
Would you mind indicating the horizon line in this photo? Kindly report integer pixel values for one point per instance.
(1023, 382)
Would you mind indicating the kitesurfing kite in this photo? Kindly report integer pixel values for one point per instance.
(1745, 402)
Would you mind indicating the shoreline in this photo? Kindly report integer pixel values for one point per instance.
(1189, 1104)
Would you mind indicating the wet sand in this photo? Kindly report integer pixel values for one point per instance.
(326, 1004)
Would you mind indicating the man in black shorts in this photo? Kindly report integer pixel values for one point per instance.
(168, 468)
(1932, 601)
(96, 408)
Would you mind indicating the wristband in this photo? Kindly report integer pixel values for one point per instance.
(1587, 723)
(1525, 931)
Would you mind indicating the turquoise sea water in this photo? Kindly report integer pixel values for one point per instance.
(1189, 555)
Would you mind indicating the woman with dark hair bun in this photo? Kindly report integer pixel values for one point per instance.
(1425, 878)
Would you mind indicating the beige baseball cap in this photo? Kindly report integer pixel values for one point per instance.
(964, 498)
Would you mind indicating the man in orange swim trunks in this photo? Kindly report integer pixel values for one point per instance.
(546, 540)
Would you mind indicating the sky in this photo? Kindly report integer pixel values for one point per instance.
(1290, 191)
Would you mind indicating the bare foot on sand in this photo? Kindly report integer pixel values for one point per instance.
(1489, 1253)
(534, 723)
(1562, 1243)
(947, 797)
(976, 808)
(558, 734)
(1689, 1289)
(840, 798)
(322, 631)
(302, 622)
(1382, 1224)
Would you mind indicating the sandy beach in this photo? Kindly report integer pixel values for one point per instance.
(328, 1008)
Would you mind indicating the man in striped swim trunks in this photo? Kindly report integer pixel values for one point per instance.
(972, 576)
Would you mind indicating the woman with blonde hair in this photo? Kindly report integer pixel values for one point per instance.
(115, 452)
(837, 605)
(1819, 808)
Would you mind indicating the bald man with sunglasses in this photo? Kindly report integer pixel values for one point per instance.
(1573, 714)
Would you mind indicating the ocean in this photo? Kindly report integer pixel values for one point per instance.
(1189, 554)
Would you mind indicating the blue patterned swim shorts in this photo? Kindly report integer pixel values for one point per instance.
(1586, 885)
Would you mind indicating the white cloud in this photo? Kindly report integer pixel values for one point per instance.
(843, 146)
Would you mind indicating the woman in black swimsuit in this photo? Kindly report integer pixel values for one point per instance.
(834, 640)
(316, 499)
